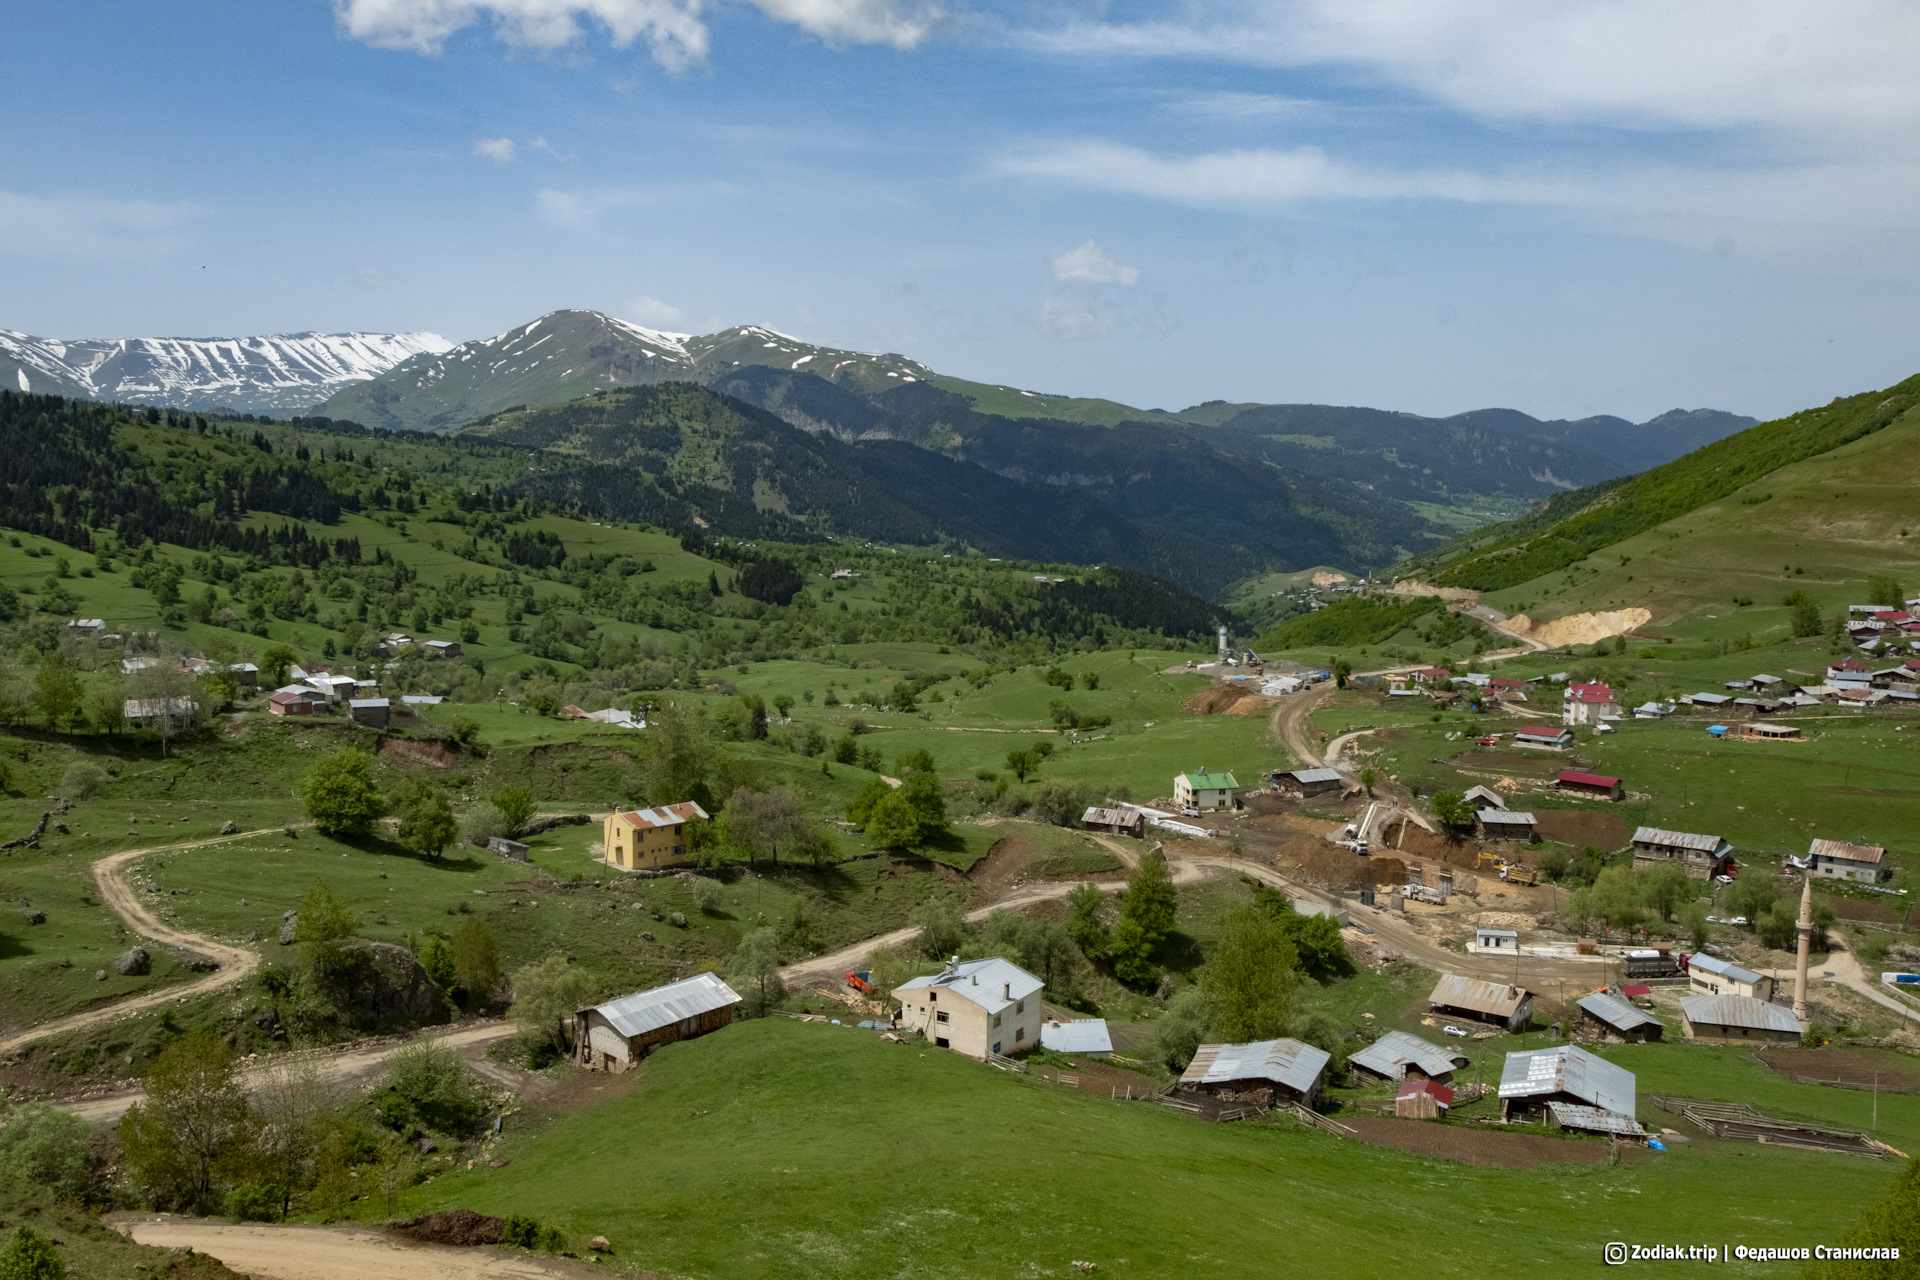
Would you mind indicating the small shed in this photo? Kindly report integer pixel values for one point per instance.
(1485, 797)
(1590, 784)
(1733, 1019)
(1087, 1037)
(1507, 824)
(1290, 1069)
(1761, 731)
(1575, 1118)
(510, 849)
(1496, 1002)
(1120, 822)
(145, 713)
(618, 1034)
(1544, 739)
(1399, 1056)
(1421, 1100)
(1533, 1080)
(370, 711)
(293, 700)
(1618, 1020)
(1506, 940)
(1308, 782)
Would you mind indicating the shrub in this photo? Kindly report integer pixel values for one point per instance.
(251, 1202)
(28, 1255)
(83, 780)
(436, 1084)
(707, 895)
(482, 823)
(44, 1147)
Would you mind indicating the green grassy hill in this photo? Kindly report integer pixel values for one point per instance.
(1815, 501)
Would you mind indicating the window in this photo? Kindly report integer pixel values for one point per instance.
(996, 1019)
(934, 996)
(941, 1016)
(1019, 1034)
(1021, 1007)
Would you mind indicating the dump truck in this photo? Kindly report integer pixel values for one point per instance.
(1514, 873)
(861, 981)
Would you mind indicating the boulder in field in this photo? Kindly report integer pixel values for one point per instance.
(33, 915)
(133, 962)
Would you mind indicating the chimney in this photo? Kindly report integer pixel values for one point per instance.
(1006, 992)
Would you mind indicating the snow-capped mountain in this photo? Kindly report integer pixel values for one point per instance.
(281, 374)
(568, 354)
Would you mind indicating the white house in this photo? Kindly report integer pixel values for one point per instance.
(1587, 703)
(976, 1008)
(1712, 976)
(1866, 863)
(1203, 790)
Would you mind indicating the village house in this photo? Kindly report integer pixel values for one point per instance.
(1736, 1019)
(1590, 784)
(1712, 976)
(1421, 1100)
(443, 648)
(334, 688)
(1290, 1070)
(1430, 675)
(1203, 790)
(1544, 739)
(148, 713)
(245, 674)
(86, 626)
(1399, 1056)
(1865, 863)
(1125, 821)
(1754, 731)
(1484, 797)
(978, 1008)
(1653, 711)
(648, 839)
(373, 712)
(1308, 782)
(1495, 1002)
(1703, 857)
(1587, 703)
(293, 700)
(1711, 701)
(1533, 1082)
(618, 1034)
(1507, 824)
(1487, 938)
(1615, 1019)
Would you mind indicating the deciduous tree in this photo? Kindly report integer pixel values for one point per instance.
(340, 795)
(194, 1124)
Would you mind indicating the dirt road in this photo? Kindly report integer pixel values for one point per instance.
(1292, 724)
(344, 1066)
(109, 874)
(340, 1253)
(1848, 972)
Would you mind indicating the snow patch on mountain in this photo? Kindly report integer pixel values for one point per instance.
(274, 373)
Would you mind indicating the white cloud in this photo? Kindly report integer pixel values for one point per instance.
(652, 313)
(1838, 73)
(85, 227)
(1090, 264)
(672, 29)
(498, 150)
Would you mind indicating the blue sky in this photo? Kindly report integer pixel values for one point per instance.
(1619, 206)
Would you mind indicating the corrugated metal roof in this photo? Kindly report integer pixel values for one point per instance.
(1082, 1035)
(992, 984)
(1506, 817)
(1111, 817)
(1677, 839)
(1570, 1069)
(650, 1010)
(1571, 1115)
(1587, 779)
(666, 815)
(1287, 1062)
(1394, 1051)
(1841, 849)
(1542, 735)
(1739, 1011)
(1314, 775)
(1725, 968)
(359, 703)
(1493, 798)
(1201, 780)
(1617, 1013)
(1495, 998)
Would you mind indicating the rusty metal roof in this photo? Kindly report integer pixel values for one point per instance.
(666, 815)
(1740, 1011)
(1678, 839)
(1850, 852)
(1395, 1051)
(647, 1011)
(1497, 999)
(1287, 1062)
(1571, 1115)
(1568, 1069)
(1617, 1013)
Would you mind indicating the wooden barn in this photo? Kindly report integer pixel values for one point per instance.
(618, 1034)
(1590, 784)
(1120, 822)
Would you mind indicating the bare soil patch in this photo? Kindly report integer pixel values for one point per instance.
(1525, 763)
(430, 752)
(1220, 698)
(455, 1226)
(1102, 1077)
(1847, 1068)
(1488, 1147)
(1582, 827)
(1852, 909)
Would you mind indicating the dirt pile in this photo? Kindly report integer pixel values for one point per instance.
(456, 1226)
(1580, 628)
(1231, 698)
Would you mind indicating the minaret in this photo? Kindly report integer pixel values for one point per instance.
(1806, 934)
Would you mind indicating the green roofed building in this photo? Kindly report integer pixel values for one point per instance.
(1203, 790)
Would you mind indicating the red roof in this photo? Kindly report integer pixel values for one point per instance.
(1897, 615)
(1441, 1094)
(1439, 673)
(1589, 693)
(666, 815)
(1633, 991)
(1588, 779)
(1502, 682)
(1850, 664)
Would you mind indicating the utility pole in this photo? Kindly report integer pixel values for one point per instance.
(1805, 929)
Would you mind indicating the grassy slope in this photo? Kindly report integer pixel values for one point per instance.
(1536, 548)
(1011, 402)
(1821, 525)
(782, 1149)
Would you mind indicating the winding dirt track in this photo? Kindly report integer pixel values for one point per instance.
(340, 1253)
(109, 875)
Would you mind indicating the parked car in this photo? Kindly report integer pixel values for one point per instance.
(1452, 1030)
